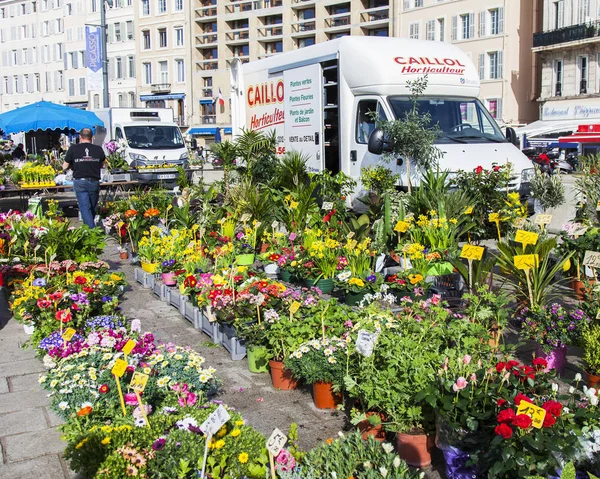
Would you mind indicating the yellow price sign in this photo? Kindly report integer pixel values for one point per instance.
(294, 307)
(129, 345)
(526, 261)
(598, 206)
(68, 334)
(472, 252)
(542, 220)
(119, 368)
(138, 382)
(536, 413)
(526, 237)
(401, 227)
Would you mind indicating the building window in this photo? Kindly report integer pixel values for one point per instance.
(82, 86)
(121, 98)
(375, 32)
(37, 83)
(583, 13)
(559, 14)
(582, 66)
(467, 26)
(146, 36)
(495, 108)
(131, 99)
(155, 104)
(117, 32)
(178, 5)
(430, 33)
(48, 82)
(118, 68)
(495, 60)
(96, 101)
(145, 8)
(441, 23)
(162, 38)
(147, 73)
(179, 36)
(129, 28)
(306, 14)
(208, 113)
(71, 86)
(558, 77)
(131, 67)
(413, 30)
(180, 71)
(163, 68)
(162, 6)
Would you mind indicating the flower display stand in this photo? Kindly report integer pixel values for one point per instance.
(177, 299)
(210, 328)
(192, 314)
(235, 346)
(145, 279)
(160, 290)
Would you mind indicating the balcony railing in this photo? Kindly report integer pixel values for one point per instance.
(241, 7)
(558, 89)
(238, 35)
(337, 22)
(304, 27)
(271, 31)
(207, 92)
(208, 65)
(375, 16)
(161, 87)
(583, 87)
(209, 119)
(572, 33)
(207, 38)
(206, 12)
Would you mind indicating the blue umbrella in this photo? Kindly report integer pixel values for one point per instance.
(44, 115)
(218, 135)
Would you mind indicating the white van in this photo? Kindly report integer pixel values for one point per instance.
(318, 100)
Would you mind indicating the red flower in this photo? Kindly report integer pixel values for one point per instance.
(512, 363)
(497, 168)
(85, 411)
(528, 371)
(479, 170)
(501, 402)
(553, 407)
(327, 217)
(56, 296)
(522, 420)
(87, 289)
(503, 430)
(521, 397)
(506, 416)
(501, 366)
(80, 280)
(44, 303)
(63, 315)
(540, 363)
(104, 389)
(549, 420)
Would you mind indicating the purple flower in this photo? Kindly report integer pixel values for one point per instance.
(39, 282)
(106, 299)
(159, 444)
(371, 278)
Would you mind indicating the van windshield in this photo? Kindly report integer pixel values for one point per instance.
(460, 120)
(154, 137)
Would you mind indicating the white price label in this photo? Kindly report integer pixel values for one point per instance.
(215, 421)
(580, 231)
(592, 259)
(275, 225)
(365, 342)
(276, 442)
(245, 217)
(327, 205)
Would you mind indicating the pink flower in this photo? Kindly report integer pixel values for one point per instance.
(466, 359)
(473, 378)
(188, 400)
(130, 399)
(460, 384)
(292, 236)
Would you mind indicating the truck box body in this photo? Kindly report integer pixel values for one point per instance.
(318, 99)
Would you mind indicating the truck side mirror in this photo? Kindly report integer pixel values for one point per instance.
(194, 144)
(511, 136)
(378, 142)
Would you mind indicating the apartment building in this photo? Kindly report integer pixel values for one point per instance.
(568, 48)
(164, 57)
(495, 34)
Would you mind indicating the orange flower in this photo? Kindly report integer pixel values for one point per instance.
(151, 212)
(130, 213)
(329, 441)
(84, 411)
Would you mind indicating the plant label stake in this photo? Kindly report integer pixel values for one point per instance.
(543, 220)
(327, 205)
(138, 384)
(294, 307)
(118, 370)
(526, 262)
(129, 345)
(275, 444)
(471, 253)
(67, 336)
(526, 237)
(537, 414)
(206, 443)
(213, 423)
(592, 259)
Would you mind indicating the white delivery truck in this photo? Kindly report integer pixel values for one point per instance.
(318, 99)
(153, 141)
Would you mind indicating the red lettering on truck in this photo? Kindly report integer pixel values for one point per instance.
(451, 62)
(267, 93)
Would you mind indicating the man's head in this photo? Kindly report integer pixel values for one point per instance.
(20, 145)
(86, 135)
(11, 143)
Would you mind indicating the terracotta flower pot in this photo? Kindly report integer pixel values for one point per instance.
(579, 287)
(415, 449)
(324, 397)
(367, 429)
(123, 255)
(592, 381)
(281, 377)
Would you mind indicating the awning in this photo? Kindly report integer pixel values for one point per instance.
(544, 127)
(166, 96)
(207, 101)
(209, 130)
(580, 139)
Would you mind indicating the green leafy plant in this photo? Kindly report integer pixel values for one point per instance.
(547, 189)
(319, 360)
(590, 341)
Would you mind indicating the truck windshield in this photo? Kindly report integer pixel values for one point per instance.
(460, 120)
(154, 137)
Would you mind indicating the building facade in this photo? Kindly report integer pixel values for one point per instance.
(568, 49)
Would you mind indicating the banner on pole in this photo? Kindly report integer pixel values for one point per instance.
(93, 57)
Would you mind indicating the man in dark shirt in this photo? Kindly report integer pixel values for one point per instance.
(86, 161)
(18, 153)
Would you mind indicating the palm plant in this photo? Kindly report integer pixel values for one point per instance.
(292, 171)
(227, 152)
(257, 152)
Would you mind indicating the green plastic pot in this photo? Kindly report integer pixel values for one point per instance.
(352, 299)
(325, 285)
(257, 359)
(244, 259)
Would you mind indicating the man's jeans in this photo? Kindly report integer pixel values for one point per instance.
(87, 193)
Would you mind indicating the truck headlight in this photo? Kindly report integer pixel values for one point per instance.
(138, 160)
(184, 156)
(527, 175)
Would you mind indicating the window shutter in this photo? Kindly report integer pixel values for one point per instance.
(499, 110)
(75, 60)
(471, 25)
(454, 27)
(66, 61)
(19, 58)
(482, 66)
(500, 64)
(501, 19)
(30, 83)
(406, 4)
(482, 24)
(123, 31)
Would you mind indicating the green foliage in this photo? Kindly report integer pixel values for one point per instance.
(182, 178)
(587, 186)
(292, 171)
(547, 189)
(319, 360)
(378, 179)
(256, 150)
(487, 308)
(590, 341)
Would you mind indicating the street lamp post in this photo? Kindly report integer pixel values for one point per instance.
(103, 50)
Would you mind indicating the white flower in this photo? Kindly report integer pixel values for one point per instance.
(571, 390)
(327, 352)
(169, 409)
(42, 379)
(383, 471)
(331, 360)
(594, 400)
(367, 465)
(566, 410)
(554, 387)
(590, 392)
(49, 363)
(578, 377)
(139, 422)
(64, 405)
(387, 447)
(86, 404)
(396, 462)
(185, 423)
(341, 434)
(334, 475)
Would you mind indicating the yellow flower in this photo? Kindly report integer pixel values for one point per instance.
(294, 205)
(243, 458)
(357, 281)
(219, 444)
(105, 441)
(235, 433)
(239, 423)
(469, 211)
(80, 445)
(415, 278)
(222, 432)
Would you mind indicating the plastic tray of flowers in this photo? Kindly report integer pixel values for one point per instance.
(450, 287)
(160, 290)
(145, 279)
(192, 314)
(178, 300)
(210, 328)
(233, 344)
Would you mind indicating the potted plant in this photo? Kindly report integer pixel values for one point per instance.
(553, 328)
(356, 287)
(488, 309)
(167, 269)
(148, 250)
(321, 362)
(244, 246)
(322, 259)
(590, 341)
(369, 424)
(407, 284)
